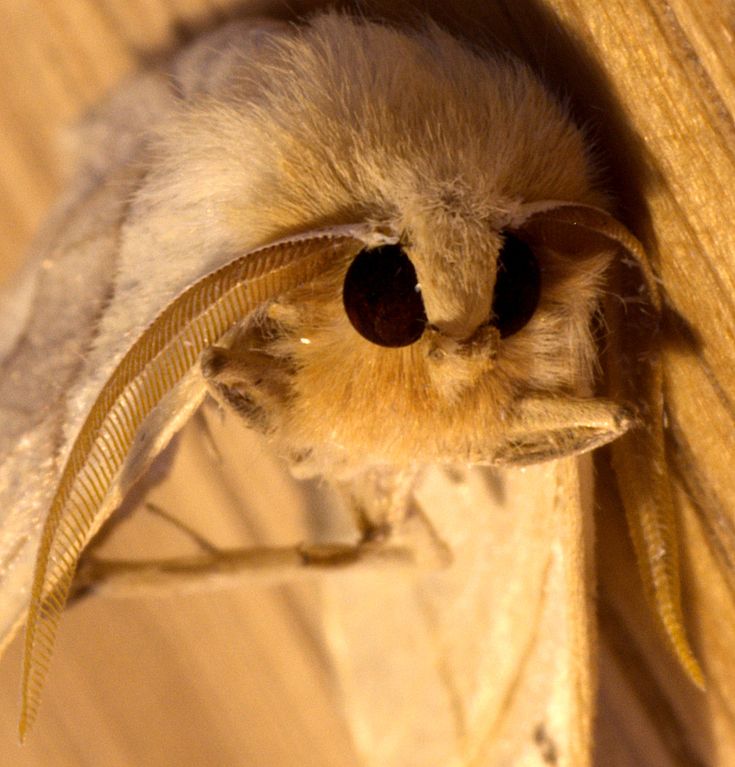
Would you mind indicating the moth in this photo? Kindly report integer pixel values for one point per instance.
(385, 251)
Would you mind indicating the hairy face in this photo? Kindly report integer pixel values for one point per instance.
(445, 393)
(451, 168)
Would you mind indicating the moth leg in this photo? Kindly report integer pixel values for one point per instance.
(389, 536)
(208, 440)
(222, 568)
(426, 537)
(385, 510)
(193, 535)
(251, 382)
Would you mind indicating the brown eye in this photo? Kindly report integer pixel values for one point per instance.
(517, 286)
(382, 299)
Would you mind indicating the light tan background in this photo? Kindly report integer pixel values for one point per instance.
(238, 677)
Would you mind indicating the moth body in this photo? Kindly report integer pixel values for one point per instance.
(381, 248)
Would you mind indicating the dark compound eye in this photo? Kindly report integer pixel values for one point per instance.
(517, 286)
(381, 298)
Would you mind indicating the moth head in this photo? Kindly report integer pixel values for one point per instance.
(477, 353)
(439, 148)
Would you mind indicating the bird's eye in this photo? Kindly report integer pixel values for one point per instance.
(517, 286)
(382, 299)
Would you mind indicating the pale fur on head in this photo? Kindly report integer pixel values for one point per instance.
(345, 120)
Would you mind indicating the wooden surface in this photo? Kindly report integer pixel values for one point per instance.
(239, 676)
